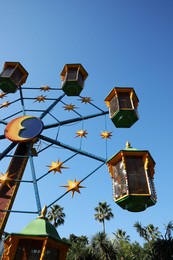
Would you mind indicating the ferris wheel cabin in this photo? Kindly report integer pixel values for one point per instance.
(122, 104)
(132, 173)
(12, 76)
(73, 77)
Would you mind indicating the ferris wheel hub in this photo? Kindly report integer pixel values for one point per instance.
(23, 129)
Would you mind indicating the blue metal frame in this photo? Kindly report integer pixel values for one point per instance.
(51, 141)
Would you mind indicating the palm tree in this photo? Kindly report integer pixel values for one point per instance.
(141, 231)
(162, 249)
(56, 215)
(153, 232)
(103, 247)
(122, 244)
(121, 235)
(148, 233)
(169, 229)
(163, 246)
(79, 248)
(103, 212)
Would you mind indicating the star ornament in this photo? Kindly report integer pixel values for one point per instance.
(86, 100)
(106, 135)
(73, 186)
(2, 95)
(81, 133)
(56, 167)
(5, 104)
(40, 98)
(5, 179)
(69, 107)
(45, 88)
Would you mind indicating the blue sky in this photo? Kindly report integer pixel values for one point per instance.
(120, 43)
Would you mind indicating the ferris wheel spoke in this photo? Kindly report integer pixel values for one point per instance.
(92, 104)
(77, 119)
(96, 169)
(71, 148)
(2, 121)
(7, 150)
(57, 199)
(51, 106)
(19, 211)
(12, 115)
(22, 101)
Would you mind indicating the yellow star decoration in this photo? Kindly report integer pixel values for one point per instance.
(73, 186)
(40, 98)
(2, 95)
(106, 134)
(56, 167)
(69, 107)
(45, 88)
(86, 100)
(5, 180)
(81, 133)
(5, 104)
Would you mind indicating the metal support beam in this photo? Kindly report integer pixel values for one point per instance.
(37, 197)
(71, 148)
(7, 150)
(77, 119)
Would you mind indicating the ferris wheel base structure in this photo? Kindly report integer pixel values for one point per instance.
(9, 190)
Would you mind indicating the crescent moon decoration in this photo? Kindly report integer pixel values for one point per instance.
(23, 129)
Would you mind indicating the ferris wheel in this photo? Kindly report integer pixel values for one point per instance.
(39, 122)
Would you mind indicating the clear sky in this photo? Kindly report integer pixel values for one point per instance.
(119, 43)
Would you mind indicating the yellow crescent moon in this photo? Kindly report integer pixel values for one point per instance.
(13, 129)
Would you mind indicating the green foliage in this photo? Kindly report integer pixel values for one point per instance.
(121, 235)
(119, 247)
(56, 215)
(148, 233)
(79, 249)
(101, 244)
(129, 251)
(157, 246)
(163, 249)
(169, 229)
(100, 247)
